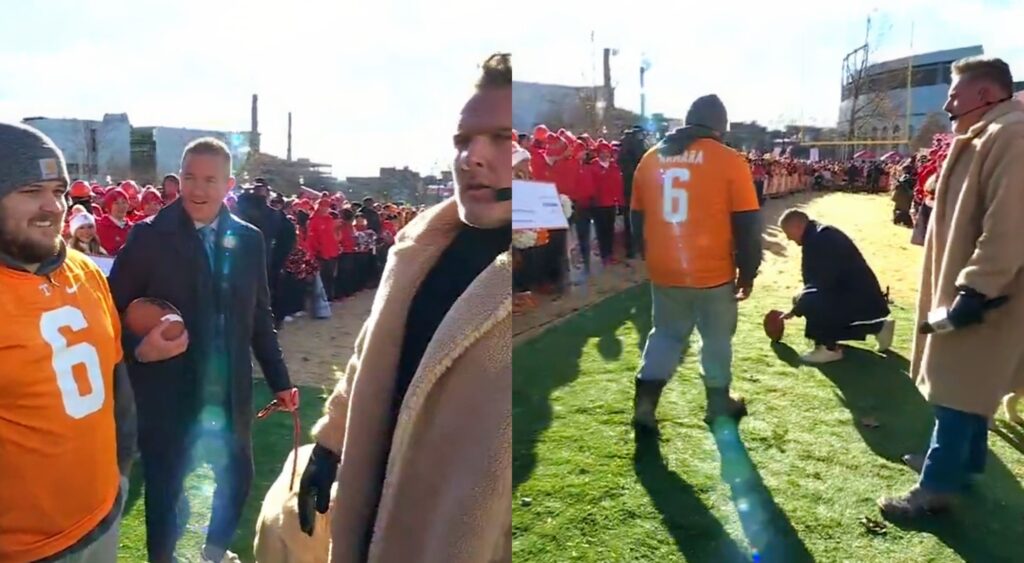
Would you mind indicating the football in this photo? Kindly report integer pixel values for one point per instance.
(145, 313)
(774, 326)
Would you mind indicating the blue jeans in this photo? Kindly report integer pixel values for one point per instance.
(676, 311)
(958, 449)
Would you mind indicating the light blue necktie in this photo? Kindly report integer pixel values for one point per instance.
(209, 236)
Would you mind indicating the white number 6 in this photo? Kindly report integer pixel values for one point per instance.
(675, 201)
(66, 357)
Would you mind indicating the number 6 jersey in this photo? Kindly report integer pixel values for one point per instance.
(688, 200)
(59, 343)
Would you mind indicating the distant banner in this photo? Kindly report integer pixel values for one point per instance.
(814, 154)
(777, 152)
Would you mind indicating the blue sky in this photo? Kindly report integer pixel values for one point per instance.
(776, 62)
(370, 84)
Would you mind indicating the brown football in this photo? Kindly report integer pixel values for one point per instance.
(774, 326)
(145, 313)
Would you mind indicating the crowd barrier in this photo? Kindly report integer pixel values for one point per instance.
(785, 184)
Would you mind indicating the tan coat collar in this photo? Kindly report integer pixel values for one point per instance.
(996, 114)
(485, 302)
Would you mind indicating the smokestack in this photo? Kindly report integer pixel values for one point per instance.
(608, 92)
(254, 132)
(289, 136)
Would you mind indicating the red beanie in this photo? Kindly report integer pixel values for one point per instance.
(111, 196)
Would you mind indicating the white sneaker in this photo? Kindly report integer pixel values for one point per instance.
(289, 319)
(822, 355)
(300, 314)
(229, 557)
(884, 336)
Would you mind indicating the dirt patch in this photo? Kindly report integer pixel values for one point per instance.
(317, 350)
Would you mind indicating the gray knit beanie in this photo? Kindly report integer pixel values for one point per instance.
(26, 157)
(708, 111)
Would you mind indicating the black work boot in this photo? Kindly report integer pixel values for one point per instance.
(721, 403)
(645, 402)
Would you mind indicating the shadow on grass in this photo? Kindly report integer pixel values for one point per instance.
(770, 242)
(641, 318)
(1011, 433)
(552, 360)
(887, 409)
(987, 525)
(766, 526)
(272, 442)
(697, 533)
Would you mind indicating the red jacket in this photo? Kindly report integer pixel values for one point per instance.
(322, 241)
(607, 181)
(564, 174)
(348, 237)
(112, 236)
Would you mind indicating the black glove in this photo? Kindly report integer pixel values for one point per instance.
(315, 486)
(968, 308)
(970, 305)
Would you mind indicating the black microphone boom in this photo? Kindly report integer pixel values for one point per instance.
(504, 194)
(954, 117)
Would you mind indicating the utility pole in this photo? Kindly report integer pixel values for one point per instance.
(910, 59)
(289, 136)
(645, 65)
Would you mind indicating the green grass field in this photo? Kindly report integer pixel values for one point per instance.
(796, 482)
(272, 440)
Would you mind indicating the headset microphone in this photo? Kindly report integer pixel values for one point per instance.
(954, 117)
(504, 194)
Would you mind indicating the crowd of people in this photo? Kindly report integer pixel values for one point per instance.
(416, 432)
(594, 179)
(704, 257)
(318, 246)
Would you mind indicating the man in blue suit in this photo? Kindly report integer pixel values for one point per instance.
(195, 393)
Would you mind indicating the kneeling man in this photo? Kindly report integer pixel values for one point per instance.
(841, 298)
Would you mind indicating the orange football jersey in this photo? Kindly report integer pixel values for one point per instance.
(687, 201)
(59, 343)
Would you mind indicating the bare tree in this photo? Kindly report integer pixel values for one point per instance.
(933, 125)
(873, 107)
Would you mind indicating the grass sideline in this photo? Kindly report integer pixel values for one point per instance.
(798, 478)
(272, 440)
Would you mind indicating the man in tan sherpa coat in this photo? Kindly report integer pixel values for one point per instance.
(418, 431)
(973, 255)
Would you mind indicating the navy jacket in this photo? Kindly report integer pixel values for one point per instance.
(164, 258)
(834, 267)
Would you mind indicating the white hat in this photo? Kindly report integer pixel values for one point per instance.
(80, 220)
(519, 154)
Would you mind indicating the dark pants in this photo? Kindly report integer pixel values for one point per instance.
(604, 224)
(346, 283)
(291, 296)
(556, 265)
(759, 188)
(530, 271)
(581, 221)
(375, 267)
(328, 269)
(166, 461)
(829, 322)
(364, 270)
(628, 221)
(958, 449)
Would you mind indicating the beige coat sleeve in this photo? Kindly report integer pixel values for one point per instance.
(329, 431)
(998, 254)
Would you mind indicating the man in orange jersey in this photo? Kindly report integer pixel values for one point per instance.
(67, 421)
(694, 204)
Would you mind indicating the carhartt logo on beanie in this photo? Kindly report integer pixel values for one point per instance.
(708, 111)
(26, 157)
